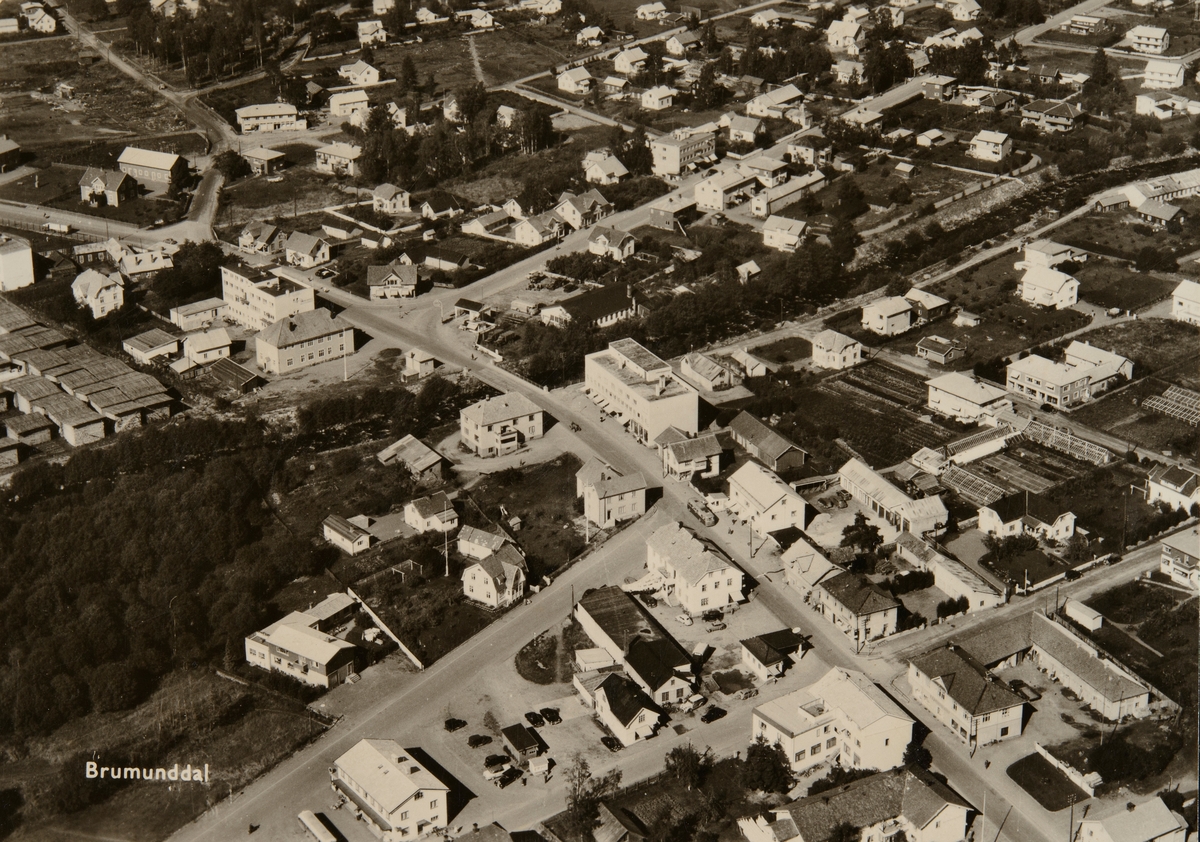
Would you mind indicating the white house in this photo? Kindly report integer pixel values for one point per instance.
(1025, 513)
(609, 498)
(434, 513)
(963, 398)
(339, 159)
(100, 293)
(16, 263)
(1178, 487)
(299, 647)
(1154, 40)
(390, 199)
(609, 242)
(835, 351)
(1048, 254)
(782, 233)
(589, 35)
(990, 146)
(841, 717)
(1150, 821)
(844, 36)
(1164, 75)
(887, 316)
(768, 655)
(1185, 302)
(583, 210)
(651, 11)
(603, 168)
(678, 45)
(630, 62)
(768, 502)
(477, 18)
(575, 80)
(620, 704)
(965, 10)
(659, 98)
(498, 579)
(404, 799)
(269, 117)
(371, 32)
(360, 73)
(1180, 558)
(501, 424)
(1049, 288)
(695, 573)
(348, 104)
(345, 534)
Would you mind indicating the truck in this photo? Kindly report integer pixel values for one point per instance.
(58, 227)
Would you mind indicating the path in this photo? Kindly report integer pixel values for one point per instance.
(475, 60)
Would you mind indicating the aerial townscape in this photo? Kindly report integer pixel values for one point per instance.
(599, 420)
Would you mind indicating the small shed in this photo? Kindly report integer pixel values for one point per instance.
(521, 741)
(30, 429)
(1089, 618)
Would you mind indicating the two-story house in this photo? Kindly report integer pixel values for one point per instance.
(695, 572)
(583, 210)
(609, 497)
(501, 424)
(887, 316)
(1185, 302)
(100, 293)
(299, 647)
(862, 610)
(435, 513)
(835, 351)
(498, 579)
(1026, 513)
(395, 795)
(759, 495)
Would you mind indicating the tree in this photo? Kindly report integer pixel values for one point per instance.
(585, 792)
(844, 832)
(862, 534)
(407, 76)
(709, 93)
(1103, 91)
(687, 765)
(1078, 548)
(766, 767)
(196, 271)
(916, 754)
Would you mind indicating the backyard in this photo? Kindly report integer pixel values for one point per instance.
(1108, 284)
(792, 349)
(1109, 506)
(1123, 235)
(1153, 344)
(1050, 787)
(57, 186)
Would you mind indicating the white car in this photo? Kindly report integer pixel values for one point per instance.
(684, 619)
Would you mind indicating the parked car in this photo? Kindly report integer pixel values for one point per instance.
(693, 702)
(551, 715)
(611, 743)
(326, 273)
(1024, 690)
(683, 619)
(493, 760)
(511, 775)
(747, 693)
(702, 512)
(713, 627)
(535, 719)
(492, 773)
(478, 740)
(712, 714)
(1072, 574)
(453, 724)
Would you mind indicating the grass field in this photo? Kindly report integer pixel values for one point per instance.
(1153, 344)
(226, 101)
(1105, 505)
(1123, 235)
(789, 350)
(1049, 787)
(104, 153)
(1106, 285)
(58, 187)
(1034, 564)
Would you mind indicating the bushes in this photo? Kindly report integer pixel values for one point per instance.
(950, 607)
(916, 580)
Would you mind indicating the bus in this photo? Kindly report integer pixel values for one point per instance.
(316, 827)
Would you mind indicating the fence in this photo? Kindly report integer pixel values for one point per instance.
(1087, 783)
(384, 628)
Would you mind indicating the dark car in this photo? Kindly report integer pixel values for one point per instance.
(453, 724)
(611, 743)
(712, 714)
(495, 760)
(535, 719)
(478, 740)
(326, 273)
(511, 775)
(1072, 575)
(1024, 690)
(551, 715)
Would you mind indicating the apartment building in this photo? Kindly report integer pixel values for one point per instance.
(672, 154)
(256, 298)
(502, 424)
(305, 339)
(629, 382)
(394, 794)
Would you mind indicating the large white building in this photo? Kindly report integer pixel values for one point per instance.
(628, 381)
(835, 351)
(398, 797)
(1185, 302)
(955, 395)
(102, 294)
(16, 263)
(694, 571)
(270, 117)
(608, 497)
(256, 298)
(1047, 287)
(674, 153)
(1153, 40)
(1085, 372)
(841, 717)
(1150, 821)
(770, 504)
(1181, 556)
(501, 424)
(305, 339)
(299, 647)
(887, 316)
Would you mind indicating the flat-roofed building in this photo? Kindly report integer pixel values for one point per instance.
(256, 298)
(295, 647)
(1154, 40)
(842, 717)
(1180, 558)
(674, 153)
(956, 395)
(501, 424)
(629, 381)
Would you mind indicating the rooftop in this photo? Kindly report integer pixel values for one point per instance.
(858, 594)
(387, 772)
(499, 409)
(691, 557)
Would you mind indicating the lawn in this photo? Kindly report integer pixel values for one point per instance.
(789, 350)
(1123, 235)
(543, 496)
(104, 153)
(226, 101)
(1049, 787)
(58, 187)
(1153, 344)
(1106, 505)
(300, 191)
(1136, 756)
(1122, 415)
(1107, 285)
(1034, 564)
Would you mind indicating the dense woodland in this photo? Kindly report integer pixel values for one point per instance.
(161, 549)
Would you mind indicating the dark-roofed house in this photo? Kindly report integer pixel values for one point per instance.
(153, 343)
(617, 623)
(765, 444)
(1027, 513)
(1178, 487)
(108, 186)
(521, 741)
(619, 825)
(29, 429)
(502, 424)
(609, 497)
(600, 307)
(261, 238)
(857, 606)
(689, 458)
(907, 799)
(305, 339)
(346, 535)
(963, 694)
(440, 206)
(766, 655)
(434, 513)
(710, 373)
(418, 458)
(396, 280)
(625, 709)
(233, 376)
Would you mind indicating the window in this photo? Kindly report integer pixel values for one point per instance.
(886, 741)
(666, 696)
(986, 717)
(831, 742)
(433, 804)
(729, 582)
(703, 588)
(1004, 731)
(404, 815)
(704, 602)
(815, 749)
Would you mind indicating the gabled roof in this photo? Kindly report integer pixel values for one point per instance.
(303, 243)
(691, 557)
(135, 157)
(925, 298)
(893, 305)
(343, 527)
(1027, 504)
(413, 453)
(967, 388)
(967, 680)
(490, 541)
(433, 505)
(832, 341)
(656, 661)
(763, 485)
(296, 634)
(151, 339)
(598, 304)
(773, 647)
(771, 444)
(874, 485)
(1144, 822)
(302, 327)
(794, 227)
(1176, 478)
(626, 699)
(859, 594)
(406, 274)
(387, 773)
(109, 179)
(500, 408)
